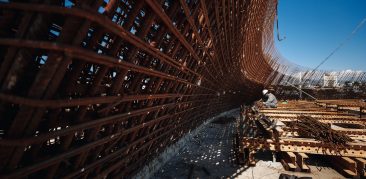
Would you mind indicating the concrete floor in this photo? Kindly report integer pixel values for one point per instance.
(210, 154)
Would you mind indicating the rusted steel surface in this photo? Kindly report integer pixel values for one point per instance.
(97, 88)
(310, 127)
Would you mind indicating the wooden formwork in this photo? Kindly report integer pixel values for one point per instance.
(280, 138)
(344, 105)
(295, 161)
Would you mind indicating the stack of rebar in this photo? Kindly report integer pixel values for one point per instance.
(309, 127)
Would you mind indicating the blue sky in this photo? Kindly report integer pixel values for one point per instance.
(314, 28)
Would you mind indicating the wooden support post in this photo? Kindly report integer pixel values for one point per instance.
(300, 160)
(345, 165)
(361, 167)
(288, 161)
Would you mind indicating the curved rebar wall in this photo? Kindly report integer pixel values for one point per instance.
(96, 88)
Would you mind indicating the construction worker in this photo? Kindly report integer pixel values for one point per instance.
(271, 101)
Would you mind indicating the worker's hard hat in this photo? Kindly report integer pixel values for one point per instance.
(265, 91)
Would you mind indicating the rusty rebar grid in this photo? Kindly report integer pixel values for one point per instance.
(97, 88)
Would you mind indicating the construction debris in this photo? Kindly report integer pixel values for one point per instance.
(309, 127)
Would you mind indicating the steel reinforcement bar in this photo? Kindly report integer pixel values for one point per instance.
(96, 88)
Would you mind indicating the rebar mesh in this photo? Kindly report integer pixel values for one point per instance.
(97, 88)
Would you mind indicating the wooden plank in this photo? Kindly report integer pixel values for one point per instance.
(289, 161)
(300, 160)
(330, 120)
(307, 146)
(319, 112)
(345, 165)
(361, 166)
(335, 116)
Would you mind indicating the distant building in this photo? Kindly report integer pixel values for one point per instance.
(330, 80)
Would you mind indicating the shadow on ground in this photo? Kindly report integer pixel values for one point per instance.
(209, 154)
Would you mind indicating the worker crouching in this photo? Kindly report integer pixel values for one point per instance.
(270, 100)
